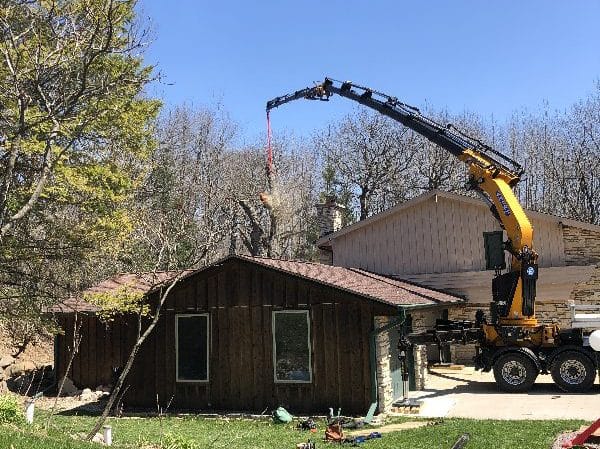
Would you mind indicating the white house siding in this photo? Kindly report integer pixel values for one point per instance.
(436, 235)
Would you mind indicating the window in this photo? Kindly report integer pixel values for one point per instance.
(191, 348)
(291, 346)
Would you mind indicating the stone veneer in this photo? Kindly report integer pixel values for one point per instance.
(330, 218)
(383, 354)
(582, 246)
(588, 291)
(383, 345)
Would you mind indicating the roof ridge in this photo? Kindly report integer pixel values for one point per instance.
(306, 262)
(142, 273)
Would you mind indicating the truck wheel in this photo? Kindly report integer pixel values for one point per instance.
(515, 372)
(573, 372)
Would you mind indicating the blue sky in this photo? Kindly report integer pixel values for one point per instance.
(490, 57)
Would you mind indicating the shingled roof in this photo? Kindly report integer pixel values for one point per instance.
(352, 280)
(134, 282)
(360, 282)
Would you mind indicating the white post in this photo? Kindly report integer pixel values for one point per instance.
(29, 409)
(107, 435)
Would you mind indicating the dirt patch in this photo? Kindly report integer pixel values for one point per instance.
(41, 353)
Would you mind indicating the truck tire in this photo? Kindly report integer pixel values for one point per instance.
(573, 372)
(515, 372)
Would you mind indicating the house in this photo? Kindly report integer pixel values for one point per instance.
(436, 240)
(252, 334)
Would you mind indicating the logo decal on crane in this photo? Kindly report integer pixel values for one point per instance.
(503, 202)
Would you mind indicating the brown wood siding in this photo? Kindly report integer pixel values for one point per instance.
(100, 350)
(438, 235)
(240, 298)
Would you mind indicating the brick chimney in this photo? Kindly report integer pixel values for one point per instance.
(330, 216)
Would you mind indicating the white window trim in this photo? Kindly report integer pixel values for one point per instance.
(187, 315)
(310, 373)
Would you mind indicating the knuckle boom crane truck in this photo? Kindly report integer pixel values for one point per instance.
(511, 342)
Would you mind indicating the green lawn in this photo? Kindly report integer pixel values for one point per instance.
(192, 433)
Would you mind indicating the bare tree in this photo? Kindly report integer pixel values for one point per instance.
(276, 210)
(578, 170)
(561, 156)
(185, 192)
(163, 287)
(369, 154)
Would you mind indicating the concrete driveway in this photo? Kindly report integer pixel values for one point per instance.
(472, 394)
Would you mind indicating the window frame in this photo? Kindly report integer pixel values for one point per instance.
(309, 346)
(208, 332)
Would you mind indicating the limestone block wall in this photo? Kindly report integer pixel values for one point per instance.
(420, 356)
(582, 246)
(464, 354)
(424, 319)
(383, 346)
(588, 291)
(384, 377)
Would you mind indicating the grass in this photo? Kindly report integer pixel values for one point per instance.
(194, 432)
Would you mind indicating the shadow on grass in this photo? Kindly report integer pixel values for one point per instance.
(86, 409)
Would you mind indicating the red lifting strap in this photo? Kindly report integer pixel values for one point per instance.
(269, 149)
(580, 439)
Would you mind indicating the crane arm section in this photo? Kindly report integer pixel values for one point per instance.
(491, 173)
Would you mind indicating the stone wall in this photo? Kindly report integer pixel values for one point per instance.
(385, 392)
(588, 291)
(582, 246)
(424, 319)
(463, 354)
(420, 357)
(383, 346)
